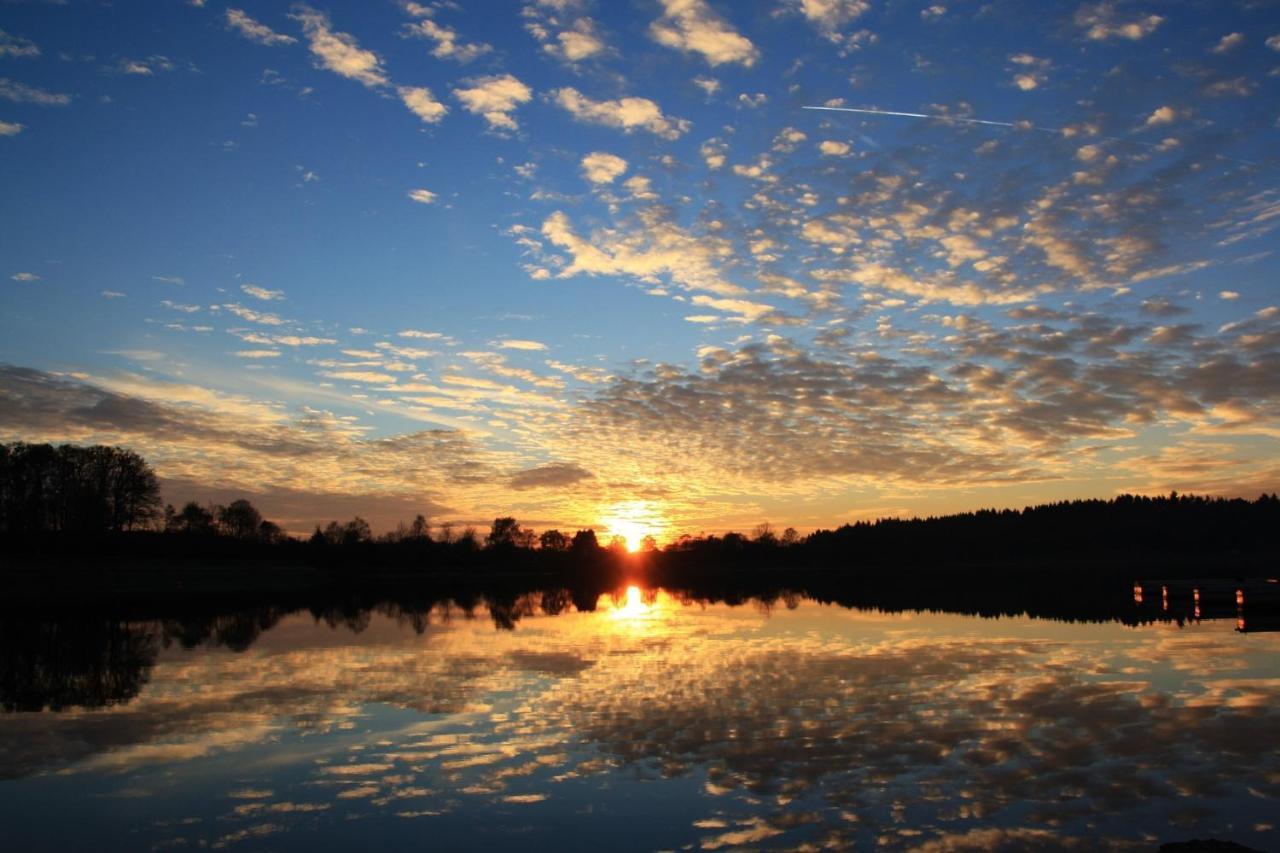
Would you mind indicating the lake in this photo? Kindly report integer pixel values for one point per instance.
(641, 719)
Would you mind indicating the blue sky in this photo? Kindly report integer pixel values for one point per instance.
(595, 264)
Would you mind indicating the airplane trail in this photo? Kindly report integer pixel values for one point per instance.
(1009, 124)
(935, 117)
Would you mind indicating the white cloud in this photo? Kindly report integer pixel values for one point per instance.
(714, 153)
(833, 148)
(830, 15)
(1101, 22)
(17, 47)
(1274, 42)
(691, 26)
(422, 103)
(599, 167)
(1161, 115)
(255, 31)
(640, 188)
(25, 276)
(628, 114)
(262, 293)
(10, 128)
(420, 335)
(253, 316)
(516, 343)
(1229, 295)
(576, 44)
(1229, 42)
(257, 353)
(748, 310)
(422, 196)
(710, 85)
(447, 45)
(494, 98)
(653, 248)
(21, 93)
(113, 294)
(339, 52)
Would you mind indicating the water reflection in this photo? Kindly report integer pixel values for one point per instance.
(657, 718)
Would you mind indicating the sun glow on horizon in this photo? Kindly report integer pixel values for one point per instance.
(633, 521)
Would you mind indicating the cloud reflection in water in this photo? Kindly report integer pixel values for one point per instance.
(803, 725)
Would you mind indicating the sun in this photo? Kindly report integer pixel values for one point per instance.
(633, 521)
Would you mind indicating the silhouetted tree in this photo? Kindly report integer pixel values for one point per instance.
(270, 532)
(584, 541)
(240, 519)
(468, 541)
(356, 531)
(763, 535)
(192, 519)
(648, 543)
(503, 533)
(553, 540)
(75, 489)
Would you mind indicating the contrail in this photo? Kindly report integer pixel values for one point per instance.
(936, 118)
(1009, 124)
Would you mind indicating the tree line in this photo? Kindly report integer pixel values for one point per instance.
(47, 492)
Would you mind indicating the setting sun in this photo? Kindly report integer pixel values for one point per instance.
(633, 521)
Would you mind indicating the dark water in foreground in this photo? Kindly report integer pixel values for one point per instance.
(649, 723)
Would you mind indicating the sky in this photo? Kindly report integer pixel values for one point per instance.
(599, 264)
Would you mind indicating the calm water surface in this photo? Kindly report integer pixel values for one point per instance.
(648, 723)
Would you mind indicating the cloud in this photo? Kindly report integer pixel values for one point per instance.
(599, 167)
(692, 27)
(494, 98)
(17, 47)
(362, 376)
(253, 316)
(422, 196)
(25, 276)
(262, 293)
(1161, 115)
(255, 31)
(21, 93)
(10, 128)
(833, 148)
(748, 310)
(1228, 43)
(1274, 42)
(516, 343)
(447, 44)
(656, 248)
(1240, 87)
(579, 41)
(1101, 22)
(422, 103)
(714, 153)
(551, 476)
(339, 52)
(627, 114)
(829, 15)
(708, 85)
(257, 353)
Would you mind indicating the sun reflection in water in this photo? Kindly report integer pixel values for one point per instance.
(636, 607)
